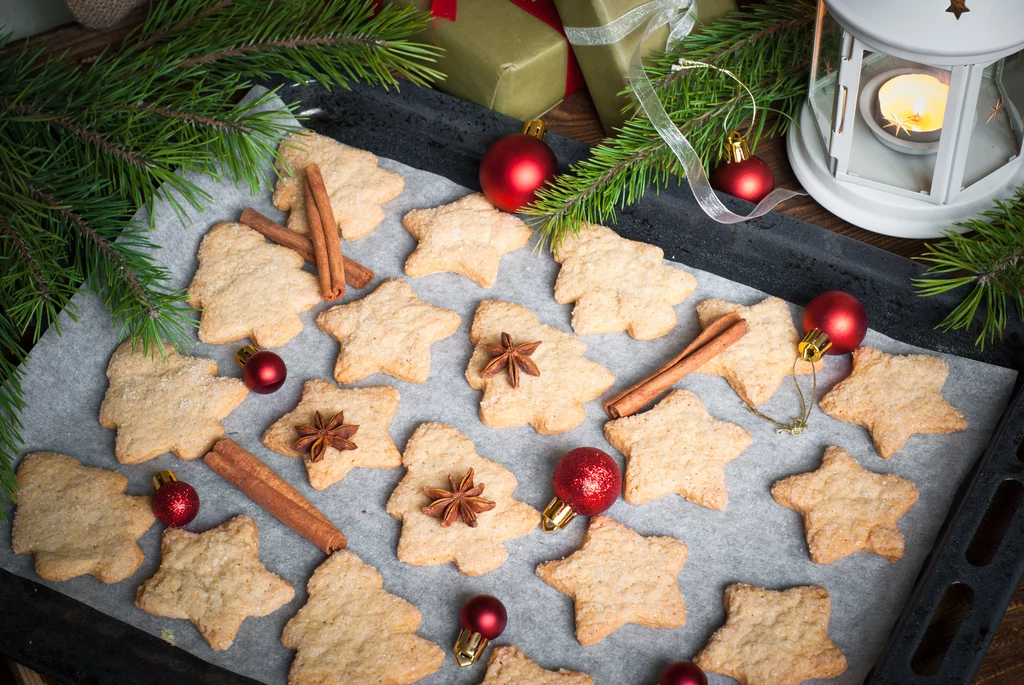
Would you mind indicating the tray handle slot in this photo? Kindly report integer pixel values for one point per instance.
(942, 629)
(994, 524)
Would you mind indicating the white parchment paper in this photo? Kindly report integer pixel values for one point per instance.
(754, 540)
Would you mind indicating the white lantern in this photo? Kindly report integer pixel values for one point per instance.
(913, 116)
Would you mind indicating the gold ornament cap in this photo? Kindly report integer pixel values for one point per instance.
(535, 128)
(814, 346)
(736, 149)
(469, 647)
(242, 356)
(163, 478)
(556, 515)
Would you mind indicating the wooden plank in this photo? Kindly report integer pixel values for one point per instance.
(26, 676)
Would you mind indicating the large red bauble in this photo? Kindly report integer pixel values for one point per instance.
(484, 614)
(176, 503)
(264, 372)
(513, 168)
(840, 316)
(750, 179)
(683, 673)
(588, 480)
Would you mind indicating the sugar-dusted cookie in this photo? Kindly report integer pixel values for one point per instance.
(214, 579)
(757, 364)
(435, 453)
(894, 397)
(77, 520)
(509, 666)
(371, 409)
(466, 237)
(171, 403)
(847, 508)
(551, 402)
(617, 577)
(388, 331)
(677, 447)
(249, 288)
(353, 631)
(774, 638)
(356, 185)
(618, 284)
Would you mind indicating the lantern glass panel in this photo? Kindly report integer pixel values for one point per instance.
(828, 40)
(996, 138)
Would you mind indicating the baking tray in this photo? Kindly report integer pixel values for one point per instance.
(73, 643)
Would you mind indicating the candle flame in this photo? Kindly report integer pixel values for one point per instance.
(919, 107)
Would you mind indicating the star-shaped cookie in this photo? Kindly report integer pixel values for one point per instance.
(677, 447)
(551, 402)
(369, 408)
(434, 452)
(894, 397)
(77, 520)
(618, 284)
(352, 631)
(757, 364)
(509, 666)
(466, 237)
(214, 579)
(774, 638)
(847, 508)
(249, 288)
(166, 404)
(617, 577)
(388, 331)
(355, 184)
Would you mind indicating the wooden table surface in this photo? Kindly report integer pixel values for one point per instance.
(577, 118)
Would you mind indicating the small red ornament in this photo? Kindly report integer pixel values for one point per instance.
(840, 316)
(587, 481)
(516, 166)
(683, 673)
(175, 503)
(742, 175)
(262, 371)
(483, 618)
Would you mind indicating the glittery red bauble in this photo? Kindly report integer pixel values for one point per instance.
(840, 316)
(176, 503)
(588, 480)
(264, 372)
(513, 168)
(683, 673)
(750, 179)
(484, 614)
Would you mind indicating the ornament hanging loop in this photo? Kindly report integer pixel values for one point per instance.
(736, 148)
(811, 349)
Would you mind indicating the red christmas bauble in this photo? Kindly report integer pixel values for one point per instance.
(588, 480)
(683, 673)
(840, 316)
(513, 168)
(175, 503)
(264, 372)
(750, 179)
(484, 614)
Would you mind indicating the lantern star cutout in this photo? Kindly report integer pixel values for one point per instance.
(352, 630)
(509, 666)
(847, 508)
(222, 563)
(995, 110)
(774, 638)
(898, 123)
(957, 8)
(617, 577)
(677, 447)
(894, 397)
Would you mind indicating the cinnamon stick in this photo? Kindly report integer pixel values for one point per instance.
(273, 493)
(356, 275)
(315, 183)
(319, 240)
(710, 343)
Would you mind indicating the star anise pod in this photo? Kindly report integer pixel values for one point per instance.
(318, 436)
(510, 358)
(463, 500)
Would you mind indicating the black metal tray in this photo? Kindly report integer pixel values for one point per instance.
(62, 638)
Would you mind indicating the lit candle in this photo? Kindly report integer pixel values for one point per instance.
(913, 104)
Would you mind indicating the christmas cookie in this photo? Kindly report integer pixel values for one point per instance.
(166, 403)
(847, 508)
(544, 385)
(617, 577)
(618, 284)
(455, 505)
(388, 331)
(351, 630)
(355, 184)
(758, 362)
(466, 237)
(509, 666)
(677, 447)
(249, 288)
(894, 397)
(774, 638)
(77, 520)
(369, 446)
(214, 579)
